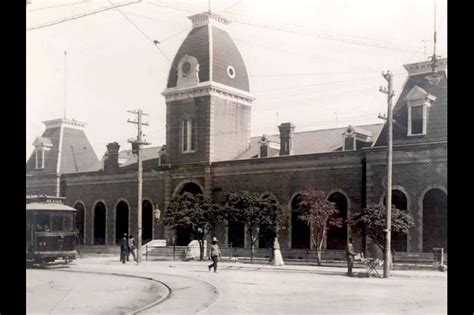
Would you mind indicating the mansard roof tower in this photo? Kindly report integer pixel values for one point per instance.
(208, 98)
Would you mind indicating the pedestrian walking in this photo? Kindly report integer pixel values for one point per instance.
(215, 254)
(131, 248)
(277, 257)
(123, 248)
(350, 257)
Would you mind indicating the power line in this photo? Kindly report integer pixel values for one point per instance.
(57, 5)
(143, 33)
(79, 16)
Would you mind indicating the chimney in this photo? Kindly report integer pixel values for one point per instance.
(286, 138)
(111, 161)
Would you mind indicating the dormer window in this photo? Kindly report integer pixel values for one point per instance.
(189, 135)
(263, 147)
(355, 138)
(349, 140)
(39, 158)
(418, 103)
(41, 144)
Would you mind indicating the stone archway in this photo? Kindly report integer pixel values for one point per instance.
(399, 201)
(183, 235)
(337, 236)
(147, 221)
(435, 220)
(79, 222)
(99, 223)
(300, 233)
(267, 234)
(122, 211)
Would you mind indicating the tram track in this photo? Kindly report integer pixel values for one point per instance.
(185, 294)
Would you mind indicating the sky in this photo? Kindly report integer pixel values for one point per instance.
(315, 63)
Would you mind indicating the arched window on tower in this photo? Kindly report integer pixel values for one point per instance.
(189, 134)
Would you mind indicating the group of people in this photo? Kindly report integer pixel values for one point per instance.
(276, 258)
(215, 254)
(127, 247)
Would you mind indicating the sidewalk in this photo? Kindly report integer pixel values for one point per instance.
(358, 271)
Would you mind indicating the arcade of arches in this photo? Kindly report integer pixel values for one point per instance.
(399, 201)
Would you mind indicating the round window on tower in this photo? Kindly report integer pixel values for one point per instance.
(231, 72)
(186, 67)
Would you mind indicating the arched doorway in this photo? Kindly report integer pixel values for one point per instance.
(435, 220)
(121, 220)
(267, 233)
(183, 235)
(147, 221)
(398, 239)
(300, 233)
(236, 234)
(80, 222)
(337, 236)
(99, 223)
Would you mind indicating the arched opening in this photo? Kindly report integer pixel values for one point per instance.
(121, 220)
(300, 233)
(267, 233)
(337, 236)
(184, 235)
(99, 224)
(80, 222)
(435, 220)
(147, 221)
(399, 239)
(236, 234)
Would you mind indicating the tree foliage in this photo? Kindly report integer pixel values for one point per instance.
(371, 221)
(319, 214)
(255, 212)
(197, 213)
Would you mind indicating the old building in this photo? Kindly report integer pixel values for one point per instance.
(209, 150)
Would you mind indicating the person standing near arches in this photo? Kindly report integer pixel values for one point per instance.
(277, 258)
(215, 253)
(123, 248)
(350, 257)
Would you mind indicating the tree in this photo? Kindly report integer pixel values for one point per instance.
(254, 212)
(371, 221)
(319, 214)
(197, 213)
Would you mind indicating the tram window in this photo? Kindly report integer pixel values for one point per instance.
(67, 223)
(57, 224)
(42, 222)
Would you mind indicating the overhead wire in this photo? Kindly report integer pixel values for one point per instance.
(75, 17)
(57, 6)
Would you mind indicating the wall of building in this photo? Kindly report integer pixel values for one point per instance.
(230, 128)
(415, 168)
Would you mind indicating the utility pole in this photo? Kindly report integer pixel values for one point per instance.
(388, 219)
(136, 146)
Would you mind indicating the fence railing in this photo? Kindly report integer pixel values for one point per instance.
(300, 256)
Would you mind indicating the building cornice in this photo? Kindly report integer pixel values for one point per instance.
(208, 88)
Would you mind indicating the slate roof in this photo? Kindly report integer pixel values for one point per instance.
(224, 54)
(126, 157)
(77, 154)
(309, 142)
(437, 123)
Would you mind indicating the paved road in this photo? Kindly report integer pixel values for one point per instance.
(262, 289)
(64, 292)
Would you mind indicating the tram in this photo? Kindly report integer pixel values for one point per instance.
(50, 230)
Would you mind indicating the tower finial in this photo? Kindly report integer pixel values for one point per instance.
(209, 6)
(65, 55)
(434, 58)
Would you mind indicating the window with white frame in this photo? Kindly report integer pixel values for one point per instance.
(418, 103)
(349, 143)
(189, 134)
(39, 151)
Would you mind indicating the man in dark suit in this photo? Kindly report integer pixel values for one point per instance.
(124, 248)
(350, 257)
